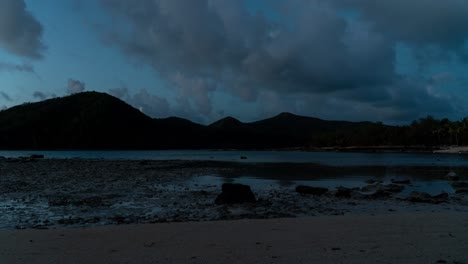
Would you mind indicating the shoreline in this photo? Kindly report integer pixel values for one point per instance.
(47, 193)
(399, 238)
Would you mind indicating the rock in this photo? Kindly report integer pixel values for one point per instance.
(393, 188)
(370, 188)
(234, 193)
(36, 156)
(243, 157)
(343, 192)
(452, 176)
(401, 181)
(423, 197)
(464, 191)
(460, 185)
(379, 194)
(302, 189)
(381, 189)
(370, 181)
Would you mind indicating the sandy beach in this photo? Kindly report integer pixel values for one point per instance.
(401, 238)
(453, 150)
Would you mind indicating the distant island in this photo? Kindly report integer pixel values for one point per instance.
(93, 120)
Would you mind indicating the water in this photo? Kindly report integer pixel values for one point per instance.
(323, 158)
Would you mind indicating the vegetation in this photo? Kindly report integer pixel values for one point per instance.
(93, 120)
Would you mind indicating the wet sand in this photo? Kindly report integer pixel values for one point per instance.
(399, 238)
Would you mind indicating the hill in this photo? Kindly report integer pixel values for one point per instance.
(93, 120)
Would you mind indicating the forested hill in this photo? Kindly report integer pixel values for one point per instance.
(93, 120)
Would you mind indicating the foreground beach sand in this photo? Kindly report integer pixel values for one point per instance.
(397, 238)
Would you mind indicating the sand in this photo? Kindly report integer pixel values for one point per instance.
(453, 150)
(398, 238)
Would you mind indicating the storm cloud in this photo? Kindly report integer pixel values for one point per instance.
(147, 103)
(20, 32)
(291, 53)
(75, 86)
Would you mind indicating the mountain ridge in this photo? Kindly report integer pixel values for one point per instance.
(94, 120)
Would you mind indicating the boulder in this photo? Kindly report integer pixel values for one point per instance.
(389, 188)
(302, 189)
(343, 192)
(393, 188)
(423, 197)
(401, 181)
(460, 187)
(36, 156)
(452, 176)
(234, 193)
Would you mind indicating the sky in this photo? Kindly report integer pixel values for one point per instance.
(391, 61)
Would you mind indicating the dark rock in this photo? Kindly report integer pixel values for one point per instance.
(302, 189)
(36, 156)
(393, 188)
(343, 192)
(383, 190)
(370, 181)
(401, 181)
(460, 187)
(234, 193)
(422, 197)
(243, 157)
(370, 188)
(452, 176)
(379, 194)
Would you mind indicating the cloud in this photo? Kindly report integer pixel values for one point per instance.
(13, 67)
(40, 95)
(147, 103)
(20, 32)
(75, 86)
(5, 96)
(416, 22)
(196, 91)
(341, 50)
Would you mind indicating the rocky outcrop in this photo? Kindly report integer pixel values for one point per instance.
(343, 192)
(401, 181)
(234, 193)
(302, 189)
(452, 176)
(423, 197)
(460, 187)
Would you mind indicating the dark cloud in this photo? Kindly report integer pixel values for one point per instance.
(12, 67)
(147, 103)
(342, 51)
(20, 32)
(5, 96)
(40, 95)
(416, 22)
(75, 86)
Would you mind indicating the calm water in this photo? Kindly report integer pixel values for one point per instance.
(324, 158)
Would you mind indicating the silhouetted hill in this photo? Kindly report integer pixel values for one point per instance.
(93, 120)
(84, 120)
